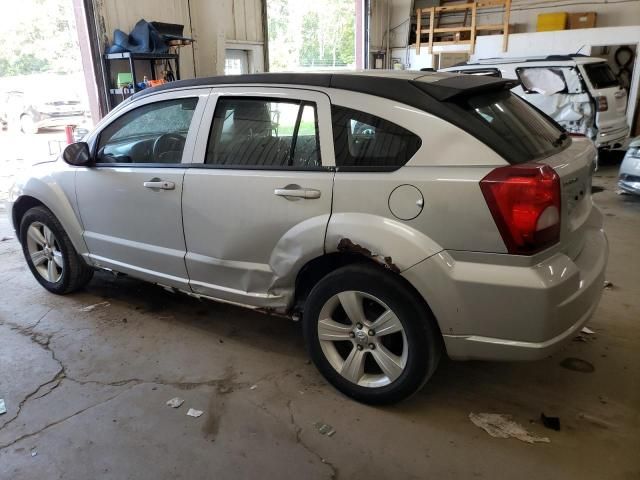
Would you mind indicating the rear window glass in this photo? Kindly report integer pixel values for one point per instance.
(600, 75)
(519, 125)
(363, 141)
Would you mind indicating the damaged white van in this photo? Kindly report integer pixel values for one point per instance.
(580, 93)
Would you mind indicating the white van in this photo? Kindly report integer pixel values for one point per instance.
(580, 93)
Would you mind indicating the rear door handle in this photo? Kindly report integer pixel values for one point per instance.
(159, 184)
(291, 192)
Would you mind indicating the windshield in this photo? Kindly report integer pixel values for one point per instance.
(518, 124)
(600, 75)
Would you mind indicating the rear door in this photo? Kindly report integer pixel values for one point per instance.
(257, 198)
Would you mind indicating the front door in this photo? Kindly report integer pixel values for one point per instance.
(130, 201)
(256, 206)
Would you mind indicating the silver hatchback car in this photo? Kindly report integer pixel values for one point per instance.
(399, 215)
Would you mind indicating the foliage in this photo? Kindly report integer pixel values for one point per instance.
(316, 34)
(39, 36)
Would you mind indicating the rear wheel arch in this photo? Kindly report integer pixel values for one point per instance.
(318, 268)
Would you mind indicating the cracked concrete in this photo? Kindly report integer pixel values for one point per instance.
(87, 390)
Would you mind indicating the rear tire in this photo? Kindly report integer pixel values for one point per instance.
(340, 319)
(50, 254)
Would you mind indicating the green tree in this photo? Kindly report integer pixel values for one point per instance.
(39, 36)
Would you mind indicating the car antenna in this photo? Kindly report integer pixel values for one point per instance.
(579, 49)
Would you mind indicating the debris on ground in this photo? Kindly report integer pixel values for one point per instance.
(3, 408)
(175, 402)
(608, 285)
(577, 365)
(603, 400)
(324, 429)
(90, 308)
(595, 420)
(253, 387)
(587, 330)
(4, 239)
(194, 413)
(501, 426)
(552, 423)
(34, 452)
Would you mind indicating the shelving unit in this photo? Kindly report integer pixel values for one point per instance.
(132, 58)
(470, 9)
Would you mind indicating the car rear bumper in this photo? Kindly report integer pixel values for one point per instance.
(616, 138)
(489, 311)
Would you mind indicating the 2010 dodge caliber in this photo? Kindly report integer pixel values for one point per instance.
(400, 215)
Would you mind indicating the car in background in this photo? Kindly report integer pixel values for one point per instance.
(31, 111)
(629, 176)
(398, 215)
(581, 93)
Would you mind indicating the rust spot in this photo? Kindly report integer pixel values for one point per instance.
(346, 245)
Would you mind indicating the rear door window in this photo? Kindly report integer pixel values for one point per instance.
(366, 142)
(264, 133)
(600, 75)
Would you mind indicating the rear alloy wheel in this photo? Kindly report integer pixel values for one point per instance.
(50, 254)
(356, 327)
(370, 335)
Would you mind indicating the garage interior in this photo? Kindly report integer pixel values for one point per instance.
(85, 378)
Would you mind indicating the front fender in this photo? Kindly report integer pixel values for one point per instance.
(54, 187)
(392, 243)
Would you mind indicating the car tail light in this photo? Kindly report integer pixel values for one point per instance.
(603, 105)
(524, 201)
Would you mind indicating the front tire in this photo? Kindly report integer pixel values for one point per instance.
(370, 334)
(28, 124)
(50, 254)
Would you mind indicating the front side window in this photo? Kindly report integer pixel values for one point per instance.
(152, 133)
(363, 141)
(265, 133)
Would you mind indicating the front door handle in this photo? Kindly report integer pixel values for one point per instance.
(295, 192)
(159, 184)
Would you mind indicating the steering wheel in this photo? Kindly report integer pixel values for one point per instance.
(166, 143)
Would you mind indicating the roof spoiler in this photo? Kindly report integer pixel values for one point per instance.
(452, 88)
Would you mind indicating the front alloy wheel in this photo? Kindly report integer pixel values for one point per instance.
(50, 254)
(44, 249)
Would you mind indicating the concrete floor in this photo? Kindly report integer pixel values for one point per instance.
(86, 390)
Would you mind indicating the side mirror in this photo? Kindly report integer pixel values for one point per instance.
(77, 154)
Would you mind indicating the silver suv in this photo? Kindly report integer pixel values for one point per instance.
(399, 215)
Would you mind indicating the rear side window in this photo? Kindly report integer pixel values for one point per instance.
(600, 75)
(264, 133)
(526, 130)
(365, 142)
